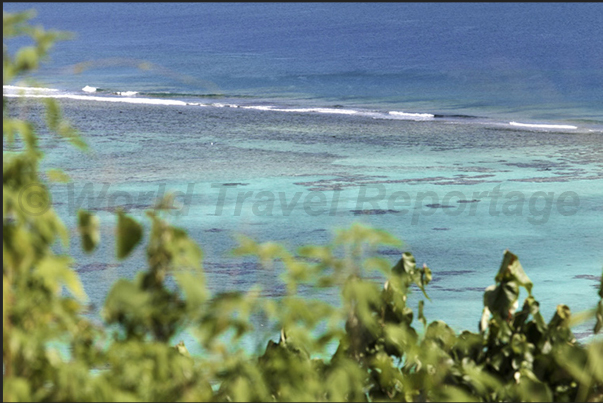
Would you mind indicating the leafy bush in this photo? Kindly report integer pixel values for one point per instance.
(379, 356)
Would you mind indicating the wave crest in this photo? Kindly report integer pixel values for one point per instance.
(27, 90)
(543, 126)
(411, 116)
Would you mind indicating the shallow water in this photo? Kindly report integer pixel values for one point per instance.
(432, 184)
(534, 63)
(462, 136)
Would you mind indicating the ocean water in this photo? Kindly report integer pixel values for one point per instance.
(463, 129)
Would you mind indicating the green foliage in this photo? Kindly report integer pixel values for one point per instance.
(133, 356)
(128, 235)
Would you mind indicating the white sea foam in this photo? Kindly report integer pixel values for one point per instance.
(303, 110)
(127, 97)
(30, 90)
(127, 93)
(324, 110)
(541, 126)
(148, 101)
(259, 107)
(411, 116)
(219, 105)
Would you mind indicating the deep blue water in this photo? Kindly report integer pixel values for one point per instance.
(541, 62)
(349, 98)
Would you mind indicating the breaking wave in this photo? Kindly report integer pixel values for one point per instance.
(543, 126)
(90, 93)
(411, 116)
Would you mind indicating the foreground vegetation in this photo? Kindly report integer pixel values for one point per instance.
(517, 355)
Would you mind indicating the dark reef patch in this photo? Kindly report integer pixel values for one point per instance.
(566, 178)
(587, 277)
(90, 267)
(340, 182)
(214, 230)
(373, 212)
(438, 205)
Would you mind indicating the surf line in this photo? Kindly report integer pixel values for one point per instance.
(539, 126)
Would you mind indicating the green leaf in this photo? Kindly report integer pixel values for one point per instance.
(421, 278)
(500, 298)
(185, 252)
(181, 349)
(400, 336)
(16, 389)
(406, 265)
(67, 131)
(193, 286)
(128, 235)
(599, 316)
(485, 319)
(449, 393)
(364, 296)
(55, 270)
(534, 309)
(27, 58)
(268, 251)
(377, 263)
(125, 298)
(531, 389)
(441, 333)
(511, 270)
(358, 233)
(88, 225)
(247, 246)
(421, 316)
(57, 175)
(599, 313)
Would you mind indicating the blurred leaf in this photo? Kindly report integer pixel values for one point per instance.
(247, 246)
(405, 265)
(128, 235)
(193, 285)
(377, 263)
(52, 352)
(185, 252)
(421, 316)
(126, 299)
(181, 348)
(441, 333)
(88, 225)
(531, 389)
(511, 270)
(27, 58)
(57, 175)
(599, 313)
(54, 270)
(599, 317)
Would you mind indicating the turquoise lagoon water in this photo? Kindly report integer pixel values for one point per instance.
(462, 129)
